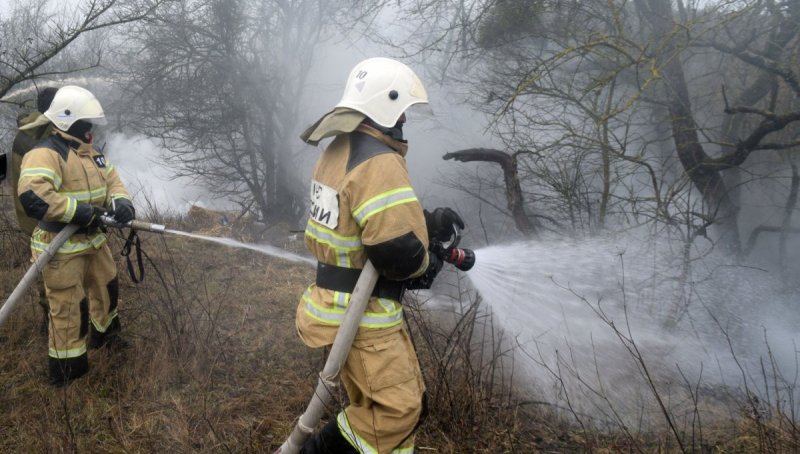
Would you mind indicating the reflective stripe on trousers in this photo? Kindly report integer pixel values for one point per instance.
(65, 354)
(359, 443)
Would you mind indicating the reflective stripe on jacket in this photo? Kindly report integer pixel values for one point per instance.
(359, 200)
(60, 180)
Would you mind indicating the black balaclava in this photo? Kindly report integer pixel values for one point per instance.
(80, 129)
(44, 98)
(395, 132)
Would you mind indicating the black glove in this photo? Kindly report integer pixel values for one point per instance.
(96, 222)
(440, 223)
(89, 217)
(97, 213)
(123, 210)
(426, 280)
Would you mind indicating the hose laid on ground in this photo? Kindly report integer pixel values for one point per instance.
(328, 378)
(36, 268)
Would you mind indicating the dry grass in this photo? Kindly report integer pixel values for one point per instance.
(216, 366)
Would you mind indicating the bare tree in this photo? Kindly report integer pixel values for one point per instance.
(767, 57)
(220, 83)
(34, 33)
(619, 104)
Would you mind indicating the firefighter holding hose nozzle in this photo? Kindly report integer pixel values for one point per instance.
(64, 180)
(363, 207)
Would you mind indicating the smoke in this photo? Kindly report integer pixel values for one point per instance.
(138, 161)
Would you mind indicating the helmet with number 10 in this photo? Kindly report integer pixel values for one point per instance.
(382, 89)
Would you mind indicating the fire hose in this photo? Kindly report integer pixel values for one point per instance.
(462, 258)
(44, 258)
(323, 397)
(36, 268)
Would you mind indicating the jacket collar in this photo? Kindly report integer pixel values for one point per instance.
(399, 147)
(76, 144)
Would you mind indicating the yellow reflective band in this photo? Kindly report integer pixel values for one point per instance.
(387, 305)
(69, 213)
(87, 196)
(352, 437)
(44, 172)
(343, 259)
(102, 329)
(371, 320)
(336, 241)
(69, 247)
(329, 316)
(109, 168)
(409, 450)
(392, 316)
(120, 195)
(66, 354)
(383, 202)
(341, 299)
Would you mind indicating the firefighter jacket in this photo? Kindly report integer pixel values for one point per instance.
(61, 179)
(362, 206)
(24, 141)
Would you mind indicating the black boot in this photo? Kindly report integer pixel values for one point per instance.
(61, 371)
(329, 440)
(111, 338)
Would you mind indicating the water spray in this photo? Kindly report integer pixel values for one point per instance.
(230, 242)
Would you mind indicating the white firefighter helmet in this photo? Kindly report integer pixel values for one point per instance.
(72, 103)
(382, 89)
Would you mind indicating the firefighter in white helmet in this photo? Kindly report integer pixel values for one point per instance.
(64, 180)
(363, 207)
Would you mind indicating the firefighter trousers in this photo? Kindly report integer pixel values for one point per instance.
(67, 279)
(384, 383)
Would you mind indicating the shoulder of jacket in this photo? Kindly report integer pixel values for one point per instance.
(364, 147)
(377, 171)
(54, 143)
